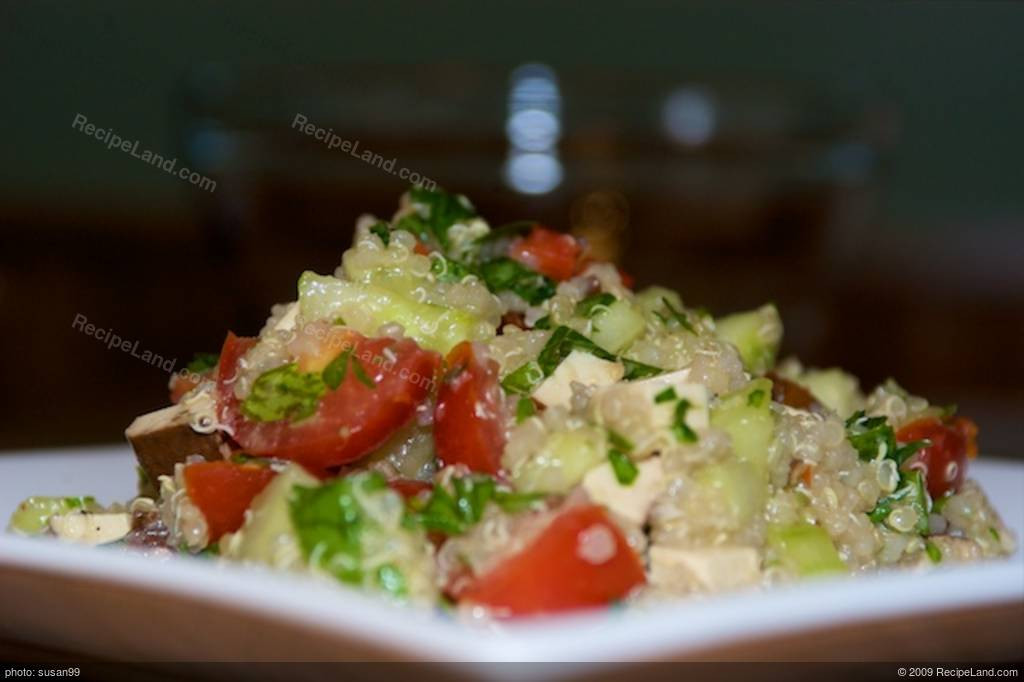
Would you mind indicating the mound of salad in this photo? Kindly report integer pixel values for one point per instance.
(489, 419)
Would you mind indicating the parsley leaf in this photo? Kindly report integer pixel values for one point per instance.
(525, 409)
(678, 315)
(563, 341)
(913, 493)
(624, 467)
(447, 269)
(592, 305)
(505, 274)
(455, 510)
(330, 523)
(638, 370)
(202, 362)
(665, 396)
(382, 230)
(284, 393)
(524, 379)
(334, 373)
(680, 428)
(435, 213)
(543, 323)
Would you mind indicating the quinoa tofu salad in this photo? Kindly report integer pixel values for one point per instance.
(488, 419)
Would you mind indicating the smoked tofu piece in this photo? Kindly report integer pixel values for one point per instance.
(713, 569)
(632, 501)
(163, 438)
(581, 367)
(634, 409)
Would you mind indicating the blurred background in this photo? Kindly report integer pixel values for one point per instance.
(858, 164)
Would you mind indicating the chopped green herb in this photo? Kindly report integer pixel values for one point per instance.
(330, 523)
(284, 393)
(564, 341)
(994, 533)
(872, 438)
(339, 320)
(680, 428)
(392, 580)
(211, 550)
(447, 269)
(361, 375)
(678, 315)
(638, 370)
(453, 511)
(591, 305)
(525, 409)
(913, 493)
(524, 379)
(505, 274)
(756, 398)
(435, 213)
(202, 362)
(382, 230)
(336, 370)
(933, 551)
(619, 442)
(666, 396)
(948, 410)
(543, 323)
(624, 467)
(513, 503)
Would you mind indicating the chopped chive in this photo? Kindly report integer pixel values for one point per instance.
(525, 409)
(335, 371)
(666, 396)
(361, 375)
(624, 468)
(382, 230)
(619, 442)
(680, 428)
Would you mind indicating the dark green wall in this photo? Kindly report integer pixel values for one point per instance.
(954, 70)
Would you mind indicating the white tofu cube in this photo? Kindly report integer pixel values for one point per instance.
(631, 409)
(581, 367)
(633, 501)
(704, 570)
(91, 528)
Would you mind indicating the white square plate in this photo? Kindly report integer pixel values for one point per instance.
(111, 604)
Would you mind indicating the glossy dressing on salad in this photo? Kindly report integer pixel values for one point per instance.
(488, 418)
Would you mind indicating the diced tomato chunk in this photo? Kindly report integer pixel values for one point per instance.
(468, 421)
(944, 462)
(581, 560)
(223, 491)
(351, 420)
(550, 253)
(409, 487)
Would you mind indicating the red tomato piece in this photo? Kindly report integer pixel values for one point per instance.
(223, 491)
(409, 487)
(550, 253)
(351, 420)
(468, 421)
(944, 462)
(581, 560)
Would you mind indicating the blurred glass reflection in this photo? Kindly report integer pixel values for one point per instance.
(533, 129)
